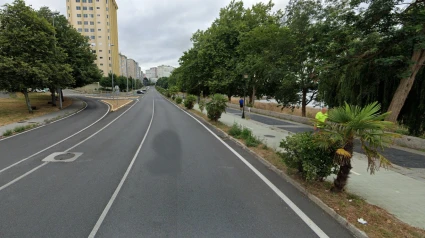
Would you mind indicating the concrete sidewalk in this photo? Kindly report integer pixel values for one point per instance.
(74, 107)
(399, 194)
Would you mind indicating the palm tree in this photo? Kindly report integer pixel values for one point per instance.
(344, 125)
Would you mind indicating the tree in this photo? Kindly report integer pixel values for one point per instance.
(344, 125)
(27, 43)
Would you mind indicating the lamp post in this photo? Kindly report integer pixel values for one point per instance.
(244, 93)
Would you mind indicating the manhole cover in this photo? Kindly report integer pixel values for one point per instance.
(64, 156)
(21, 121)
(269, 136)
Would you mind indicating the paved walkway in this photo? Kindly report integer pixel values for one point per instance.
(397, 193)
(74, 107)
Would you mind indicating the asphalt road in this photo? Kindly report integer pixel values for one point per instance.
(399, 157)
(147, 170)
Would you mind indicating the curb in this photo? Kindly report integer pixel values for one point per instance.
(341, 220)
(116, 109)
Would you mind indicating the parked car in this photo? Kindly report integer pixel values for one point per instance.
(140, 92)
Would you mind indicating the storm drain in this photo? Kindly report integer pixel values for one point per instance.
(269, 136)
(62, 157)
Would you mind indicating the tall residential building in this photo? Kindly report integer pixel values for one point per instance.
(132, 68)
(123, 65)
(139, 72)
(97, 20)
(164, 71)
(151, 73)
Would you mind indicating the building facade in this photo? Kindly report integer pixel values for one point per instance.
(97, 20)
(123, 65)
(151, 73)
(164, 71)
(132, 68)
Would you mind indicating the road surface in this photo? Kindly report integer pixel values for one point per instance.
(147, 170)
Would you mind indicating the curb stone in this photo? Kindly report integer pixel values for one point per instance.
(341, 220)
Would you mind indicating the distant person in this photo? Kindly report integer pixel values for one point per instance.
(241, 103)
(321, 116)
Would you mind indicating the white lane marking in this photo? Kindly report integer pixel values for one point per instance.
(43, 164)
(97, 132)
(292, 205)
(352, 171)
(67, 138)
(22, 176)
(117, 190)
(38, 127)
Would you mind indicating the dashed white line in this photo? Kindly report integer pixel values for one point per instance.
(117, 190)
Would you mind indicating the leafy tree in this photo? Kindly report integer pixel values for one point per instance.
(162, 82)
(344, 125)
(27, 47)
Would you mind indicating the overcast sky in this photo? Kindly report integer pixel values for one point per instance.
(156, 32)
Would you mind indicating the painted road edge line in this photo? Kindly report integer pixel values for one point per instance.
(292, 205)
(38, 127)
(57, 143)
(22, 176)
(117, 190)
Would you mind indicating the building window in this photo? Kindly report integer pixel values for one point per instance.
(92, 37)
(99, 29)
(98, 15)
(108, 37)
(92, 15)
(85, 8)
(69, 15)
(109, 58)
(109, 51)
(84, 1)
(92, 30)
(77, 0)
(79, 23)
(107, 16)
(78, 15)
(107, 9)
(101, 64)
(92, 23)
(100, 50)
(91, 8)
(85, 15)
(93, 51)
(86, 23)
(99, 37)
(86, 30)
(98, 22)
(80, 30)
(100, 57)
(78, 8)
(97, 7)
(90, 1)
(110, 65)
(68, 7)
(107, 23)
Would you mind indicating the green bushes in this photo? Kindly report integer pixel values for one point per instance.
(189, 102)
(179, 100)
(303, 152)
(216, 107)
(202, 105)
(8, 133)
(246, 134)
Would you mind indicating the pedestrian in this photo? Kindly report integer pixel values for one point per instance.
(241, 102)
(321, 117)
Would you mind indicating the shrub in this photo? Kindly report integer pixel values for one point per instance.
(304, 154)
(246, 133)
(189, 102)
(179, 100)
(8, 133)
(202, 105)
(216, 107)
(252, 141)
(19, 129)
(235, 131)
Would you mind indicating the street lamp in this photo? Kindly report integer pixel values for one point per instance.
(244, 93)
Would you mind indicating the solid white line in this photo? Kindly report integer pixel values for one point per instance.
(10, 166)
(103, 128)
(117, 190)
(22, 176)
(38, 127)
(354, 172)
(292, 205)
(67, 138)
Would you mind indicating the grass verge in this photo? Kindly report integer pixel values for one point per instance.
(116, 104)
(19, 129)
(14, 109)
(351, 207)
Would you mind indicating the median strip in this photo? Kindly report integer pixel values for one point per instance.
(117, 103)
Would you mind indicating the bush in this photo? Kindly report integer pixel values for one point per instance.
(19, 129)
(189, 102)
(179, 100)
(8, 133)
(202, 105)
(304, 154)
(252, 141)
(246, 133)
(235, 131)
(216, 107)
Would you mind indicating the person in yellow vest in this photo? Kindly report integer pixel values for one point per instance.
(321, 117)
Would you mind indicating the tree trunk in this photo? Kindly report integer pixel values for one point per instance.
(405, 86)
(344, 169)
(63, 99)
(254, 91)
(27, 100)
(229, 98)
(53, 94)
(304, 103)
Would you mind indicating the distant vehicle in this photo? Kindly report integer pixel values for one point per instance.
(40, 90)
(140, 92)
